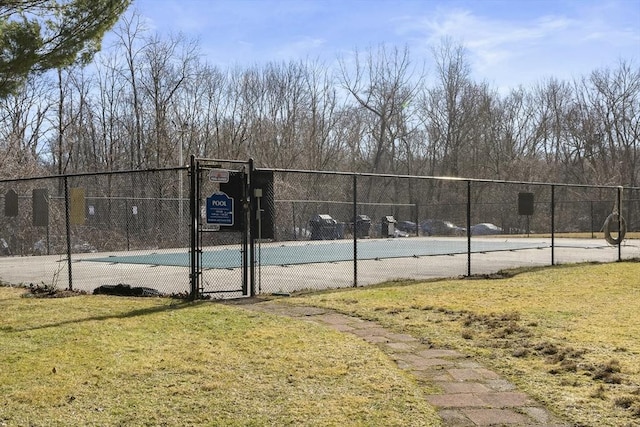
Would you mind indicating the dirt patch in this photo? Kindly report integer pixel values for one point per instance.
(508, 332)
(46, 291)
(510, 335)
(498, 275)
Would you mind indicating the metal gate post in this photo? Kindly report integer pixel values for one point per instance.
(249, 230)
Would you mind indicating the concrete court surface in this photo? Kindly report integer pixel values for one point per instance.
(87, 275)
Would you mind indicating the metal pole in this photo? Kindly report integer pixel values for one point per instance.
(293, 220)
(592, 219)
(468, 228)
(180, 193)
(620, 236)
(355, 232)
(194, 275)
(259, 260)
(553, 224)
(417, 219)
(127, 215)
(249, 228)
(68, 225)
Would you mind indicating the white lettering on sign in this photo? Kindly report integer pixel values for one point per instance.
(219, 175)
(220, 209)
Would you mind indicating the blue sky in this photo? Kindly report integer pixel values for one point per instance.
(509, 42)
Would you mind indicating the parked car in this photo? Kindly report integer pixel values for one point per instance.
(400, 233)
(437, 227)
(485, 229)
(407, 226)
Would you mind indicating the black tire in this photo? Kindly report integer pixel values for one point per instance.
(611, 225)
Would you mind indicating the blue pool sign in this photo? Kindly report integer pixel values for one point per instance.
(220, 209)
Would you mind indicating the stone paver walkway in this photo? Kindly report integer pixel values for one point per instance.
(471, 395)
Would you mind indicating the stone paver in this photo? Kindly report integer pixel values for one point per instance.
(462, 387)
(471, 394)
(492, 417)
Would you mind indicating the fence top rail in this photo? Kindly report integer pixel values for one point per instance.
(99, 173)
(337, 202)
(446, 178)
(207, 160)
(310, 171)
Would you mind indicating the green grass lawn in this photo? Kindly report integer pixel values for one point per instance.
(111, 361)
(568, 335)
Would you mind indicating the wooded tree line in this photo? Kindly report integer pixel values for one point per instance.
(150, 102)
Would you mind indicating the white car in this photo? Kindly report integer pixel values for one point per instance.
(485, 229)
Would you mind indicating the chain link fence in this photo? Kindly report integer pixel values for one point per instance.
(374, 228)
(325, 230)
(52, 229)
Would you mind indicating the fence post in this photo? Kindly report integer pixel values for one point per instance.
(592, 220)
(468, 228)
(194, 225)
(355, 234)
(253, 214)
(67, 220)
(553, 223)
(620, 235)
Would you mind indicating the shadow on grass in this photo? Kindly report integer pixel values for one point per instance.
(125, 315)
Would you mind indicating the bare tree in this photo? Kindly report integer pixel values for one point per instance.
(552, 99)
(322, 146)
(66, 115)
(605, 125)
(385, 86)
(111, 122)
(23, 125)
(188, 113)
(450, 108)
(131, 42)
(169, 65)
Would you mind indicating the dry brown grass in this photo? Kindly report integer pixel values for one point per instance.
(111, 361)
(567, 335)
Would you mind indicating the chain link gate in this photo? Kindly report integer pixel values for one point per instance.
(220, 254)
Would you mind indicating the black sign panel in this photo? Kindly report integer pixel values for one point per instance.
(11, 203)
(525, 203)
(41, 207)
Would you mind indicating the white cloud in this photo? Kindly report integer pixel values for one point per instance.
(300, 48)
(488, 38)
(508, 42)
(509, 50)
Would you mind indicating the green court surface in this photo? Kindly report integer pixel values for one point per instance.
(327, 252)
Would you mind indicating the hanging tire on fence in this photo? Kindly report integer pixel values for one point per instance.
(611, 224)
